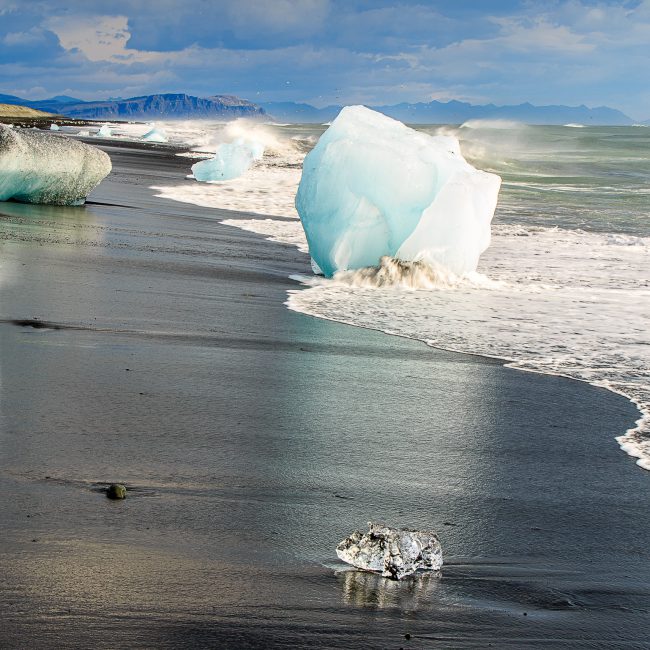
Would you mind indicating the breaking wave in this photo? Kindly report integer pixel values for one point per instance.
(414, 276)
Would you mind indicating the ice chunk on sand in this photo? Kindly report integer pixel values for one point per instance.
(104, 132)
(393, 552)
(231, 160)
(55, 127)
(36, 167)
(155, 135)
(373, 187)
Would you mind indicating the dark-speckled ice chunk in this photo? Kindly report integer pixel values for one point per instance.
(37, 167)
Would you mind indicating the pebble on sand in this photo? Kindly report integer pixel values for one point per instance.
(116, 491)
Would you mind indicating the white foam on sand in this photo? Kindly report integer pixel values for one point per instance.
(264, 189)
(283, 232)
(195, 155)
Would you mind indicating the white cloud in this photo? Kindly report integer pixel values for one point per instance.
(458, 93)
(7, 7)
(279, 16)
(31, 37)
(538, 36)
(99, 38)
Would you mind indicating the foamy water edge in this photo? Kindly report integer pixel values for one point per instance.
(629, 442)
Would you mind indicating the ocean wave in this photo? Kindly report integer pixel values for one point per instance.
(492, 124)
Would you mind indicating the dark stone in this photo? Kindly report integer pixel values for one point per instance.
(116, 491)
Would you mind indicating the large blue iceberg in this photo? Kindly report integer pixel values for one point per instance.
(372, 187)
(36, 167)
(230, 161)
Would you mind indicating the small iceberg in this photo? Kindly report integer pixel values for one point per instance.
(55, 127)
(155, 135)
(373, 187)
(104, 132)
(231, 160)
(36, 167)
(393, 552)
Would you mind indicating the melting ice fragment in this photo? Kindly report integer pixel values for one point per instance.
(373, 187)
(393, 552)
(155, 135)
(55, 127)
(104, 132)
(230, 161)
(36, 167)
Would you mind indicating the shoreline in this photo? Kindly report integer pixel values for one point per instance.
(253, 438)
(644, 413)
(43, 122)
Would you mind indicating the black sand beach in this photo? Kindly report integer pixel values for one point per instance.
(252, 439)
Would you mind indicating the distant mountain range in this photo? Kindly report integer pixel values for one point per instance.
(292, 112)
(176, 105)
(169, 105)
(455, 112)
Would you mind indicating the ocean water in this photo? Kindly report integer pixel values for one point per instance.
(563, 289)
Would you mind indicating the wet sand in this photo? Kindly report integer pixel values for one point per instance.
(252, 439)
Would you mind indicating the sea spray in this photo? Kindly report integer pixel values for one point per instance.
(418, 275)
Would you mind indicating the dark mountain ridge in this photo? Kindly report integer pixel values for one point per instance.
(166, 105)
(456, 112)
(180, 105)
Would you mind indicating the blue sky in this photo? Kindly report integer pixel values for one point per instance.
(333, 51)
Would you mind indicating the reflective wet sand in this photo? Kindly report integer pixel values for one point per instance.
(252, 439)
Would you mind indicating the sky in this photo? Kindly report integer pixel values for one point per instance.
(593, 52)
